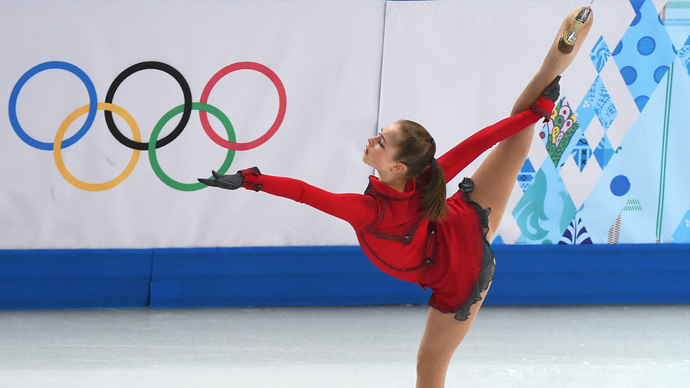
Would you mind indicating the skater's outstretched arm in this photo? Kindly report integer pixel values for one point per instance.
(357, 209)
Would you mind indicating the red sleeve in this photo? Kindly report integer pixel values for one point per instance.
(455, 160)
(357, 209)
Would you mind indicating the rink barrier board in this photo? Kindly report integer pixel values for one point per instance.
(329, 276)
(74, 278)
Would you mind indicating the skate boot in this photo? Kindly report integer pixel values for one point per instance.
(557, 60)
(567, 42)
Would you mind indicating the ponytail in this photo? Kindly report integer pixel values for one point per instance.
(434, 193)
(416, 151)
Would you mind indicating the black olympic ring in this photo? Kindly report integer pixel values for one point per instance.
(186, 113)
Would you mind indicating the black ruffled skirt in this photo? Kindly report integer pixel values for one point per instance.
(486, 275)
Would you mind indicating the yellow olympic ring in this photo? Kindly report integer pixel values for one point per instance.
(57, 148)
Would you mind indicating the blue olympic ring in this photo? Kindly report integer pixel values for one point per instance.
(93, 101)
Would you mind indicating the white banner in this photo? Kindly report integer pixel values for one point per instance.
(59, 56)
(303, 85)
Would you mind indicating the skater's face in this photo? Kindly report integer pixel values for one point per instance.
(381, 150)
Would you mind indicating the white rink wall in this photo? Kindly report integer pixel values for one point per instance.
(347, 68)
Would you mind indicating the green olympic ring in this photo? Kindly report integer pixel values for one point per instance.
(157, 130)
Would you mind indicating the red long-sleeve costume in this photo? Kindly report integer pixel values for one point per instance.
(445, 256)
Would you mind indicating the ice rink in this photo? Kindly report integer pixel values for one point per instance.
(576, 346)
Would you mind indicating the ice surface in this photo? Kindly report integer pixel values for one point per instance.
(577, 346)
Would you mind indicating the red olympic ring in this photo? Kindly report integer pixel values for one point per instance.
(276, 124)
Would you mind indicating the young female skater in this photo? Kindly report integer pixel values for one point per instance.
(408, 229)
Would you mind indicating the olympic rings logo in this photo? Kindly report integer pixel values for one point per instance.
(154, 142)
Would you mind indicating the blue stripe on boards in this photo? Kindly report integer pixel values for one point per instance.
(328, 276)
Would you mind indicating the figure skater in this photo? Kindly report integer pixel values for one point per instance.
(407, 227)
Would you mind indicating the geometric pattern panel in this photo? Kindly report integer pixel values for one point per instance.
(682, 233)
(600, 54)
(635, 69)
(644, 53)
(684, 55)
(598, 103)
(545, 209)
(604, 152)
(558, 134)
(526, 176)
(576, 233)
(581, 153)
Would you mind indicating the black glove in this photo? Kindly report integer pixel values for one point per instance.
(229, 182)
(553, 90)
